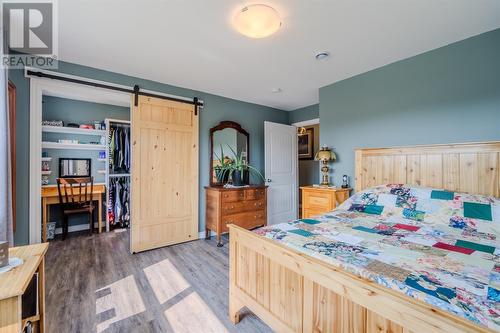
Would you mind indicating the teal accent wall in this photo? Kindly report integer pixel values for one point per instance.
(217, 108)
(302, 114)
(448, 95)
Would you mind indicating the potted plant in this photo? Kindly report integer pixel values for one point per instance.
(222, 169)
(238, 169)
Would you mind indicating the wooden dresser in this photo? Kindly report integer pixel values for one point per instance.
(245, 207)
(14, 284)
(319, 200)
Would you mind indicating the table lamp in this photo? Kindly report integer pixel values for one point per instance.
(325, 155)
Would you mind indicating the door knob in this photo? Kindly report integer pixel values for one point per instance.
(268, 180)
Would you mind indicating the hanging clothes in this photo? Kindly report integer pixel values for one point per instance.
(118, 205)
(118, 209)
(111, 152)
(127, 148)
(119, 146)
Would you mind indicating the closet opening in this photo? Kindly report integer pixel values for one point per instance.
(85, 132)
(82, 139)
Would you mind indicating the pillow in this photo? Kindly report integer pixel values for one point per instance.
(472, 214)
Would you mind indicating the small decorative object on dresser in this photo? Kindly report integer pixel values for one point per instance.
(345, 181)
(325, 155)
(317, 200)
(246, 207)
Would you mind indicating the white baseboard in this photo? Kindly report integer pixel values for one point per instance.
(78, 227)
(201, 234)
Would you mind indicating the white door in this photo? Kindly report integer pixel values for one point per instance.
(281, 159)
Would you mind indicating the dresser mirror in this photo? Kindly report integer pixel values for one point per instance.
(226, 139)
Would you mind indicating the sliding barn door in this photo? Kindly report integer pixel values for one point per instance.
(164, 200)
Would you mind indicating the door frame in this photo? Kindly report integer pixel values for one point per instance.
(305, 123)
(296, 170)
(44, 86)
(49, 87)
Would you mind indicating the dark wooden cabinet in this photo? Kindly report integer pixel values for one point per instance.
(245, 207)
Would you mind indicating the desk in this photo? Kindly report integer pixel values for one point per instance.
(50, 196)
(13, 284)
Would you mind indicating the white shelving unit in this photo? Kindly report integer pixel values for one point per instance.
(109, 122)
(73, 130)
(73, 146)
(58, 145)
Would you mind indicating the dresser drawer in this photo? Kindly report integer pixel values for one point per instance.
(232, 196)
(229, 208)
(255, 194)
(313, 212)
(317, 200)
(246, 220)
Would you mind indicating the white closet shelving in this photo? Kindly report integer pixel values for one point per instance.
(73, 130)
(59, 145)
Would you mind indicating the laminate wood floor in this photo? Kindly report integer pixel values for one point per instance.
(93, 284)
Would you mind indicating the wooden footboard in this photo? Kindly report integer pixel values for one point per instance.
(293, 292)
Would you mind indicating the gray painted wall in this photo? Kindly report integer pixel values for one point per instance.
(305, 113)
(217, 108)
(451, 94)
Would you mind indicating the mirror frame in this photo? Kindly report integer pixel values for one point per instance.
(223, 125)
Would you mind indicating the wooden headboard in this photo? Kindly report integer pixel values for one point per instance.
(463, 167)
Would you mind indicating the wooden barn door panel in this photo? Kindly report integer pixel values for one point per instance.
(164, 189)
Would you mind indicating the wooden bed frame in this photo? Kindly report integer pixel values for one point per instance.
(293, 292)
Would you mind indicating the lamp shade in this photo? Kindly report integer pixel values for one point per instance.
(257, 21)
(325, 154)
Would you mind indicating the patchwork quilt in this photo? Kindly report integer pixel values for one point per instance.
(437, 246)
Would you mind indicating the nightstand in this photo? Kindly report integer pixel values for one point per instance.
(318, 200)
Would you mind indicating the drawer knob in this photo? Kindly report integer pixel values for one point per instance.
(225, 195)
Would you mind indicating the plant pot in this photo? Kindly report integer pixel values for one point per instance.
(238, 178)
(221, 175)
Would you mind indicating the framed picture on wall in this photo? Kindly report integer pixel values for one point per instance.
(306, 144)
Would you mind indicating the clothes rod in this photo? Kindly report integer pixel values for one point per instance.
(136, 90)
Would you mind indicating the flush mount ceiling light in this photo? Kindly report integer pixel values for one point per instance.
(257, 21)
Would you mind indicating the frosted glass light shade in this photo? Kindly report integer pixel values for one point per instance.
(257, 21)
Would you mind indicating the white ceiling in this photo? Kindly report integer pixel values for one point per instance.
(191, 43)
